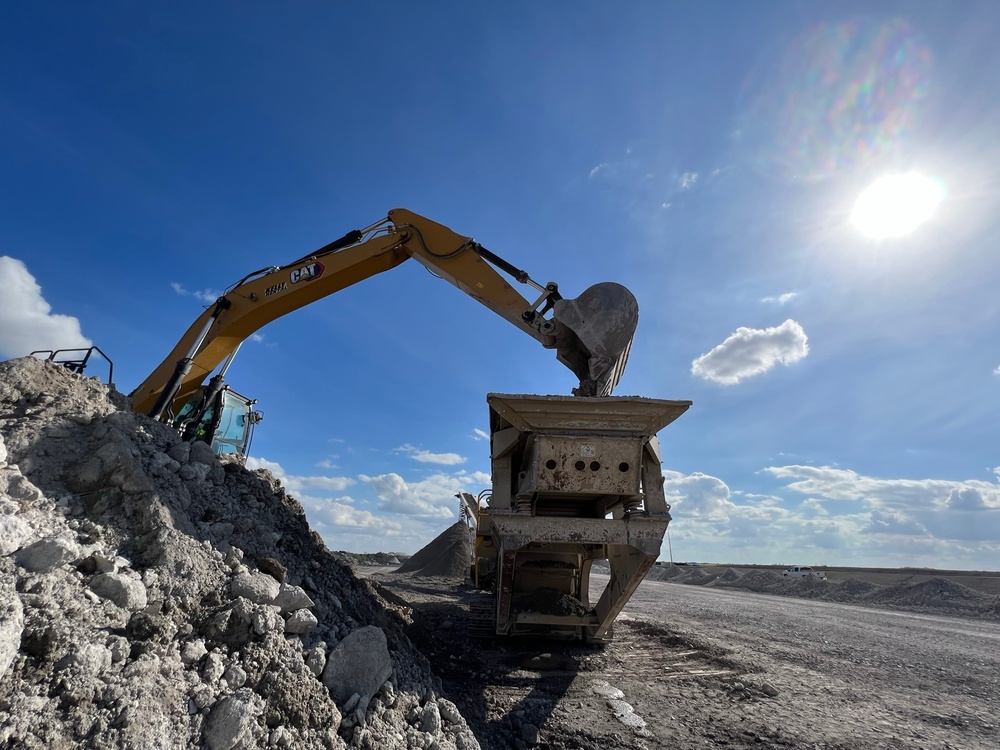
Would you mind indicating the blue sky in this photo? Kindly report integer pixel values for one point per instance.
(706, 155)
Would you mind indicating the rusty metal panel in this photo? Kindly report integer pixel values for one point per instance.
(593, 465)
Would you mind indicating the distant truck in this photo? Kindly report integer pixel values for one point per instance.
(803, 572)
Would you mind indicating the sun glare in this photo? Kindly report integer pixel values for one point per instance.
(895, 205)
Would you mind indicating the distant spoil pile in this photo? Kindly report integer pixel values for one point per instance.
(449, 555)
(936, 595)
(151, 596)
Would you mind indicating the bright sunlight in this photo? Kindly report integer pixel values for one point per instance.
(895, 205)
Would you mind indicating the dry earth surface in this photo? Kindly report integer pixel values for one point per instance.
(706, 666)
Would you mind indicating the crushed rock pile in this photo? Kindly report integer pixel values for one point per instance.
(449, 555)
(151, 596)
(936, 595)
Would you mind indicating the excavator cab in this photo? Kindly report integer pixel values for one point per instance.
(226, 423)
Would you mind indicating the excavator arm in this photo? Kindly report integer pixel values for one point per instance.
(591, 334)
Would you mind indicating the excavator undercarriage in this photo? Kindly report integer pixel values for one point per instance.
(575, 480)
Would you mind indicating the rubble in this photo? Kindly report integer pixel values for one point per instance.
(153, 596)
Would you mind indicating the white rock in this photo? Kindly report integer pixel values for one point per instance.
(89, 659)
(49, 553)
(20, 488)
(359, 664)
(193, 651)
(291, 598)
(125, 591)
(3, 452)
(259, 588)
(235, 676)
(301, 622)
(119, 647)
(267, 619)
(11, 625)
(281, 737)
(316, 660)
(430, 718)
(449, 711)
(14, 534)
(230, 721)
(213, 669)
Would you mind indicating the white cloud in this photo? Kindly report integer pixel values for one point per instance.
(698, 495)
(433, 497)
(781, 299)
(26, 319)
(598, 169)
(426, 457)
(343, 513)
(687, 180)
(295, 484)
(478, 434)
(752, 351)
(885, 522)
(902, 495)
(997, 371)
(207, 296)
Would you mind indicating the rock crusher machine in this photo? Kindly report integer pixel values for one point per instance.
(574, 480)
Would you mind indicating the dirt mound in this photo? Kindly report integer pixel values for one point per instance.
(727, 576)
(760, 581)
(932, 594)
(857, 588)
(449, 555)
(151, 596)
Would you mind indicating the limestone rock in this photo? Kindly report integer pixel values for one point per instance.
(49, 553)
(11, 624)
(259, 588)
(359, 664)
(301, 622)
(266, 619)
(14, 534)
(430, 718)
(125, 591)
(231, 720)
(291, 598)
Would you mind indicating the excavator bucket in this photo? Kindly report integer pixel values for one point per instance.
(594, 335)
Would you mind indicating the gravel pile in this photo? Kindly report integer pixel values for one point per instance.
(449, 555)
(936, 595)
(151, 596)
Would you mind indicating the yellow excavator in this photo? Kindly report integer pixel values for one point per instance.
(575, 479)
(591, 334)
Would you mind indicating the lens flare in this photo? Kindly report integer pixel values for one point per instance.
(836, 99)
(895, 205)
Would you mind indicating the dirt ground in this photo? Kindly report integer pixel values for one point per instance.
(694, 667)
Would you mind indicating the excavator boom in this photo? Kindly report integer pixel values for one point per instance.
(591, 335)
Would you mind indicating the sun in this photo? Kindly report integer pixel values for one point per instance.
(895, 205)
